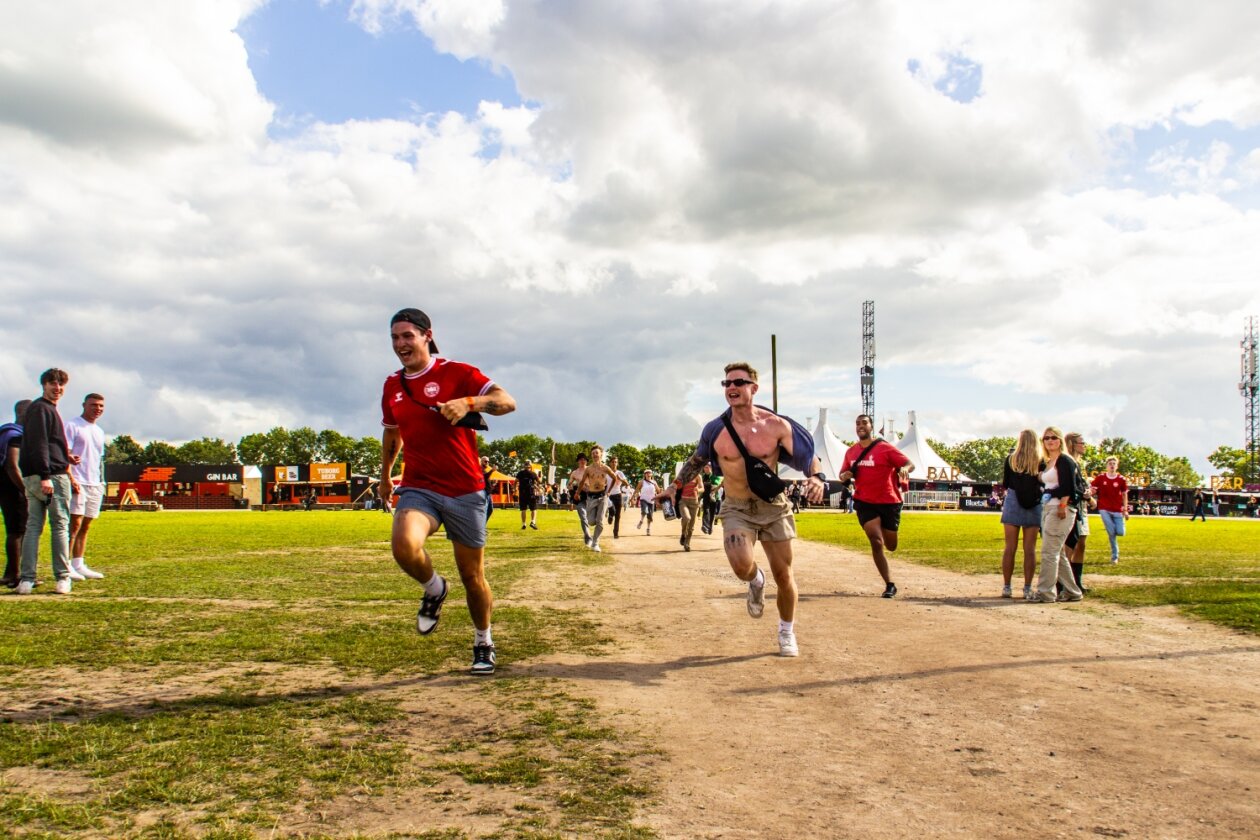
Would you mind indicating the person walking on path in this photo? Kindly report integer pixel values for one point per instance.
(689, 509)
(594, 485)
(617, 493)
(1112, 491)
(527, 493)
(709, 502)
(1021, 509)
(45, 465)
(427, 409)
(877, 469)
(12, 494)
(1058, 517)
(86, 441)
(487, 470)
(744, 445)
(645, 497)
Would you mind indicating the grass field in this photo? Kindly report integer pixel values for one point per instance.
(294, 683)
(1210, 570)
(273, 616)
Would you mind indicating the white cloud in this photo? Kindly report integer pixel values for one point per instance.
(686, 180)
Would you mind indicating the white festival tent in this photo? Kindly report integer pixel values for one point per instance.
(827, 447)
(928, 466)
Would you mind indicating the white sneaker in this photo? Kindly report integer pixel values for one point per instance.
(756, 598)
(1028, 593)
(595, 548)
(90, 574)
(63, 586)
(25, 587)
(787, 644)
(75, 574)
(1006, 591)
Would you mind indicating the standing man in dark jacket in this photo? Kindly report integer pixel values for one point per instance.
(45, 467)
(12, 493)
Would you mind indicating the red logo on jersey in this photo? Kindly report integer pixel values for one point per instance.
(431, 389)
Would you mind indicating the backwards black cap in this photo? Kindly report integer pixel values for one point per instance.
(415, 316)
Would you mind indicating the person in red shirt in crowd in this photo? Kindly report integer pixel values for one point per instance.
(1113, 503)
(877, 468)
(427, 409)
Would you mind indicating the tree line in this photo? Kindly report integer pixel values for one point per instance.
(980, 459)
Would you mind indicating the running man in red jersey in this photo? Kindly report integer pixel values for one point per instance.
(877, 467)
(425, 409)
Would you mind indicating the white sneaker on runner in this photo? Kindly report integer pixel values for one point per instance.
(787, 644)
(756, 598)
(595, 548)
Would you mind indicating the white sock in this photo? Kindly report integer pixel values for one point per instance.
(433, 587)
(482, 637)
(785, 626)
(759, 579)
(76, 561)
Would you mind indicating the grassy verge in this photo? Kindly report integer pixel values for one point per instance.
(218, 603)
(1208, 570)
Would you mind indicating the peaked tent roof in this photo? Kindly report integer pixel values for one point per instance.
(827, 447)
(928, 466)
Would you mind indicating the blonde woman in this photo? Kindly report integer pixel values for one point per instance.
(1021, 509)
(1058, 518)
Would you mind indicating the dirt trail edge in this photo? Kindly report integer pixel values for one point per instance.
(945, 712)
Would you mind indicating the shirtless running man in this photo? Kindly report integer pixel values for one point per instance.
(746, 518)
(593, 485)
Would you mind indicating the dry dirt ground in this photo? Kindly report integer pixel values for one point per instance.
(945, 712)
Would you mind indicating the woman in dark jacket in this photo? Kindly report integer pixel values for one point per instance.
(1021, 509)
(1058, 517)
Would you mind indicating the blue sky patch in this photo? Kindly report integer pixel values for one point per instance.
(961, 80)
(315, 64)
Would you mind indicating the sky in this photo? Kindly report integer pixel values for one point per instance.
(209, 211)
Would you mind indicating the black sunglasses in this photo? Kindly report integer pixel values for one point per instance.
(738, 383)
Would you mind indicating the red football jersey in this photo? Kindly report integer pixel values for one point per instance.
(436, 455)
(877, 482)
(1113, 493)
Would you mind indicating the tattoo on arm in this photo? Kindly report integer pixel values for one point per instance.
(691, 469)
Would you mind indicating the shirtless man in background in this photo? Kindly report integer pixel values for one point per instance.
(594, 486)
(746, 518)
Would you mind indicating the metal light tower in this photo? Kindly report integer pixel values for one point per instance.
(867, 374)
(1248, 386)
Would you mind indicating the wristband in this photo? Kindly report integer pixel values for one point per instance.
(469, 402)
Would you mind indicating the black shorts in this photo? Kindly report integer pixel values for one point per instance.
(889, 515)
(13, 505)
(529, 502)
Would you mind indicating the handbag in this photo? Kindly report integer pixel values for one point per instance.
(761, 478)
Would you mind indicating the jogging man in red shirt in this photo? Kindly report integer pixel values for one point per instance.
(878, 468)
(442, 483)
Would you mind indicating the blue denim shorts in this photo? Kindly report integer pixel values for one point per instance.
(1013, 513)
(463, 516)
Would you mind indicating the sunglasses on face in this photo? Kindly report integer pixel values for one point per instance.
(738, 383)
(1049, 437)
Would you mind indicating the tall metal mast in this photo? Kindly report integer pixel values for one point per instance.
(867, 374)
(1248, 387)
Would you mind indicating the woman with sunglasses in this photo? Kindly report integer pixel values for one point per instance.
(1021, 509)
(1058, 518)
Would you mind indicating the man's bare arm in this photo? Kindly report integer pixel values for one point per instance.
(496, 401)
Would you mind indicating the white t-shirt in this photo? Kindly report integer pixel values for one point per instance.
(616, 485)
(1050, 478)
(647, 491)
(87, 440)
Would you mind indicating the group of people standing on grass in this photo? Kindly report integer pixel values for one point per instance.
(1047, 495)
(52, 474)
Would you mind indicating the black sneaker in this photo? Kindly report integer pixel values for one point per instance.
(533, 525)
(890, 590)
(430, 611)
(483, 660)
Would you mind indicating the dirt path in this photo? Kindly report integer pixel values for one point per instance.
(945, 712)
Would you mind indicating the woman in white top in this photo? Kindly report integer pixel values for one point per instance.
(1058, 518)
(645, 493)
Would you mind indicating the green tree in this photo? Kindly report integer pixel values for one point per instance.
(365, 458)
(629, 458)
(1232, 462)
(206, 451)
(981, 460)
(124, 450)
(271, 447)
(159, 453)
(333, 447)
(303, 447)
